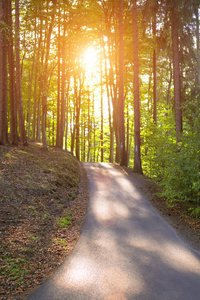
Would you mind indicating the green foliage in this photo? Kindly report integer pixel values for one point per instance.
(174, 166)
(13, 267)
(65, 221)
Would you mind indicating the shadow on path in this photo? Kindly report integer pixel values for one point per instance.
(125, 251)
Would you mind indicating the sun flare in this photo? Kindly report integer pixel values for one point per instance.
(90, 59)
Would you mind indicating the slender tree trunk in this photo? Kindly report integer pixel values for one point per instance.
(78, 107)
(196, 9)
(169, 83)
(176, 71)
(67, 115)
(45, 81)
(137, 155)
(40, 79)
(127, 136)
(109, 109)
(18, 77)
(13, 104)
(3, 77)
(94, 130)
(123, 160)
(101, 74)
(154, 72)
(89, 126)
(35, 83)
(58, 138)
(63, 86)
(29, 97)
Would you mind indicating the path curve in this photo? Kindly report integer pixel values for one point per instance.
(126, 250)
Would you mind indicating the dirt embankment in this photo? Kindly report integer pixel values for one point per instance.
(43, 202)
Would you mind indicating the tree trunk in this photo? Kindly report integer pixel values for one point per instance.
(176, 72)
(63, 83)
(35, 85)
(29, 96)
(78, 107)
(137, 155)
(13, 104)
(18, 77)
(58, 138)
(89, 126)
(123, 160)
(196, 10)
(101, 74)
(154, 72)
(3, 77)
(45, 81)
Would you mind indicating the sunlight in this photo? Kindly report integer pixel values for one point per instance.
(90, 59)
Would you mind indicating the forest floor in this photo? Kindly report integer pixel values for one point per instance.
(43, 201)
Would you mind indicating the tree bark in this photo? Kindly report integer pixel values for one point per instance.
(45, 80)
(137, 154)
(101, 74)
(196, 10)
(176, 71)
(58, 138)
(13, 104)
(18, 77)
(3, 76)
(123, 159)
(154, 72)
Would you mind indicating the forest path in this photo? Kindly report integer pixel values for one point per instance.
(125, 251)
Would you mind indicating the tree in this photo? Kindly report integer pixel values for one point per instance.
(176, 70)
(18, 76)
(137, 151)
(154, 64)
(13, 104)
(123, 158)
(3, 75)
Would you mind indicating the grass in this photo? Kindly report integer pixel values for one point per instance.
(65, 221)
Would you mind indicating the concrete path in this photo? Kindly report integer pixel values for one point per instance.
(125, 251)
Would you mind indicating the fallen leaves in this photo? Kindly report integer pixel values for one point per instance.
(35, 192)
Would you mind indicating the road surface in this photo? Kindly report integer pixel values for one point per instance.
(126, 250)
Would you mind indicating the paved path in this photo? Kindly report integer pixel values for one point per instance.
(126, 250)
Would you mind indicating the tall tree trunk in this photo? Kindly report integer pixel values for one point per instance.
(45, 81)
(89, 126)
(109, 109)
(29, 96)
(3, 76)
(154, 71)
(35, 83)
(196, 10)
(40, 79)
(18, 77)
(123, 160)
(58, 138)
(78, 107)
(13, 104)
(176, 71)
(101, 74)
(63, 86)
(127, 136)
(137, 154)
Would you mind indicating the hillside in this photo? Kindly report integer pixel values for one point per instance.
(43, 203)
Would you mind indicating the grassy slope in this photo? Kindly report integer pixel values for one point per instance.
(41, 214)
